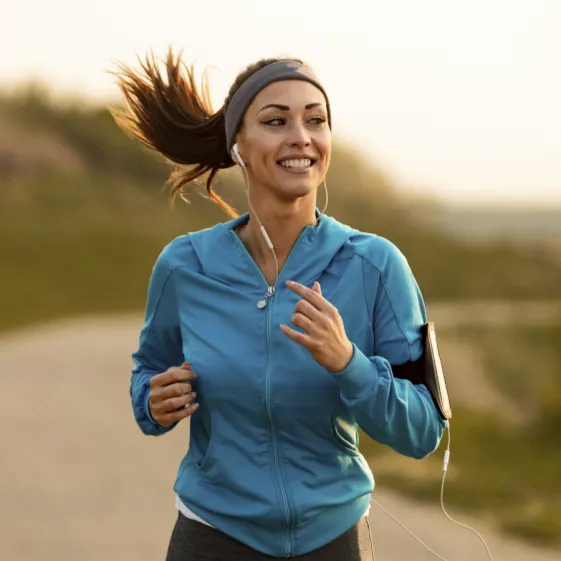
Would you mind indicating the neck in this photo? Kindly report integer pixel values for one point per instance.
(283, 225)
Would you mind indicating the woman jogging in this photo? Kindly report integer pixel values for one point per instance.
(278, 332)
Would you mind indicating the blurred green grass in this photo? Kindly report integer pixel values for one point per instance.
(101, 189)
(74, 245)
(70, 247)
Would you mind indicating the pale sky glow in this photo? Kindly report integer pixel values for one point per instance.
(458, 98)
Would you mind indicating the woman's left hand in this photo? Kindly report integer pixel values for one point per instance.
(324, 333)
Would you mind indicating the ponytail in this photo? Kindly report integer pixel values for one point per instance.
(176, 120)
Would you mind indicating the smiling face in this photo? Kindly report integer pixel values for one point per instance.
(285, 140)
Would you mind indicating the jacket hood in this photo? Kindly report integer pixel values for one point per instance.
(223, 256)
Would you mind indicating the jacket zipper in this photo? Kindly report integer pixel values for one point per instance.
(266, 304)
(269, 414)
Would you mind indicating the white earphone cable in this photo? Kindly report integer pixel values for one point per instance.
(261, 227)
(444, 469)
(408, 530)
(326, 196)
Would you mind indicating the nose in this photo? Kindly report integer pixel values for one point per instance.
(299, 136)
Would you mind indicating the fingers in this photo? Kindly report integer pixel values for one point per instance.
(306, 309)
(311, 295)
(176, 391)
(317, 288)
(171, 395)
(172, 390)
(161, 407)
(320, 318)
(174, 374)
(176, 416)
(302, 338)
(303, 322)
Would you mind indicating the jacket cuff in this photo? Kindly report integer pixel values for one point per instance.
(142, 414)
(359, 375)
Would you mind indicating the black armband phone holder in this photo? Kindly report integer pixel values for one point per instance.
(428, 371)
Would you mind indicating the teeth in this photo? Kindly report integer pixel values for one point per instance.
(303, 163)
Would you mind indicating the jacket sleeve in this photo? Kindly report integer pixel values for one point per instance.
(160, 344)
(393, 411)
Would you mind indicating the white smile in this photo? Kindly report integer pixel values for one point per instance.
(302, 163)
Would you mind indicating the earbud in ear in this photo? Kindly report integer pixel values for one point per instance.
(236, 152)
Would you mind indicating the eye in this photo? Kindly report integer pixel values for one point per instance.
(275, 121)
(318, 120)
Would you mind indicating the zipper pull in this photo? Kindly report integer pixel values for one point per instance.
(262, 303)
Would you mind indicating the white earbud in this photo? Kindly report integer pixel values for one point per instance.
(236, 151)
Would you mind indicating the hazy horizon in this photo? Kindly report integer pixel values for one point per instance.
(458, 101)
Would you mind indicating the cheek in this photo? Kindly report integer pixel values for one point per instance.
(325, 159)
(263, 154)
(324, 146)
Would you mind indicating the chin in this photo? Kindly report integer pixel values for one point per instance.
(297, 191)
(299, 186)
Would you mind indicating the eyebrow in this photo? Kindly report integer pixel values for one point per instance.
(286, 108)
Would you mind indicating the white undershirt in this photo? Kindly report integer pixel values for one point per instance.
(188, 513)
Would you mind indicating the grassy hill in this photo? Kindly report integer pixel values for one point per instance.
(83, 216)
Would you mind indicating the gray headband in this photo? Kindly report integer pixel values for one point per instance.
(275, 72)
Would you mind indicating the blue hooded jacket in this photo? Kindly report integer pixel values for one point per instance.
(273, 458)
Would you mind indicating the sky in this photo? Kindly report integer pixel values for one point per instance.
(459, 99)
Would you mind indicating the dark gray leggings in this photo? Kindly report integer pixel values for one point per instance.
(193, 541)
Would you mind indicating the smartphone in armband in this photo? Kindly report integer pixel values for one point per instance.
(428, 370)
(433, 371)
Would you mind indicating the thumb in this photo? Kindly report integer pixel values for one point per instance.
(317, 287)
(186, 366)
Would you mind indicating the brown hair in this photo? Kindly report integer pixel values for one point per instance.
(175, 118)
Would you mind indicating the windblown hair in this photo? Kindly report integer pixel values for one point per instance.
(175, 118)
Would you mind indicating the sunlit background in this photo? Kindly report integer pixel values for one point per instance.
(447, 128)
(459, 99)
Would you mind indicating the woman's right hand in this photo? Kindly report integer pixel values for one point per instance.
(170, 392)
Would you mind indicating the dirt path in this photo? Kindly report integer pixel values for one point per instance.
(78, 481)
